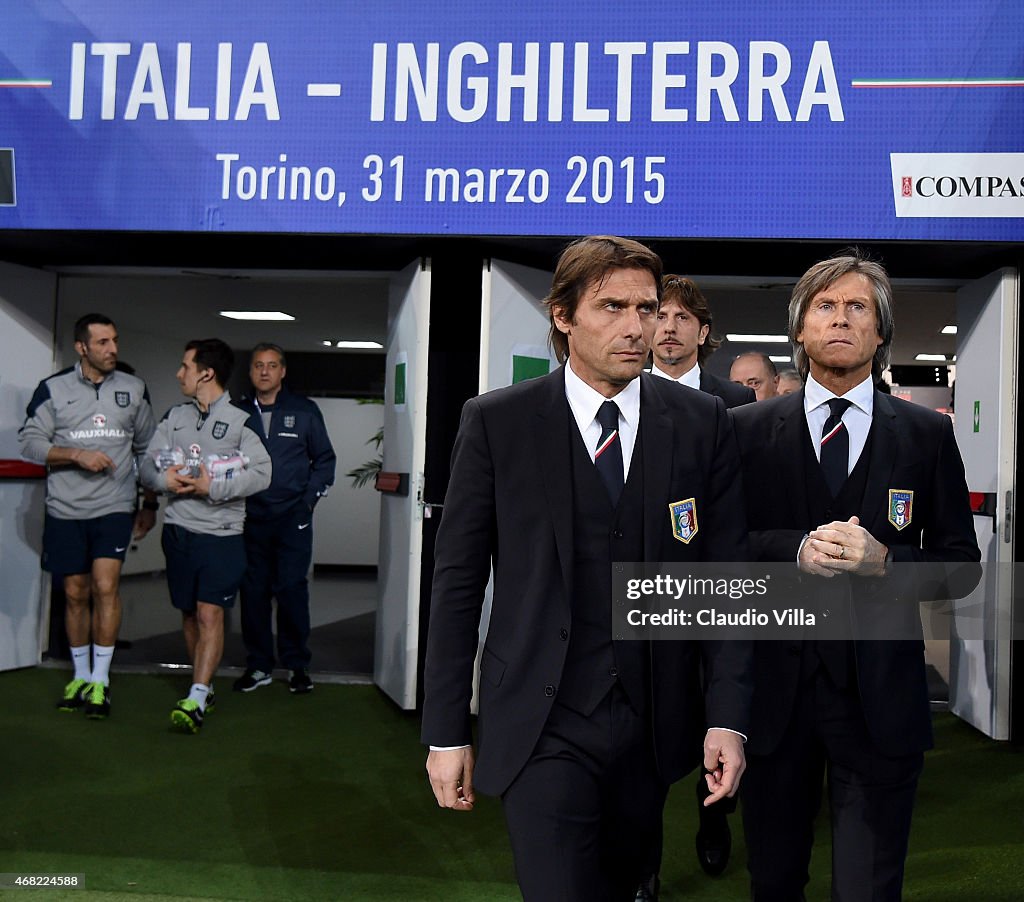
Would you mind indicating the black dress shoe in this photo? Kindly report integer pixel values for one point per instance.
(648, 889)
(714, 840)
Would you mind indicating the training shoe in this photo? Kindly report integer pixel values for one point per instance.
(300, 683)
(211, 703)
(251, 679)
(97, 701)
(74, 695)
(187, 716)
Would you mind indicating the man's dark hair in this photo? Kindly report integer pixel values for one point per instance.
(90, 319)
(587, 260)
(268, 346)
(685, 292)
(213, 354)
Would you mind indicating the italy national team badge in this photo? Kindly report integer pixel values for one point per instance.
(901, 507)
(220, 429)
(123, 398)
(289, 422)
(684, 519)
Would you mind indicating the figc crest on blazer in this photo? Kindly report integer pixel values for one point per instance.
(684, 519)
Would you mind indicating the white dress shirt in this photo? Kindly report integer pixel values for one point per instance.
(690, 378)
(584, 402)
(857, 418)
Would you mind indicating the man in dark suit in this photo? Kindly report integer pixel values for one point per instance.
(682, 345)
(849, 484)
(553, 481)
(683, 342)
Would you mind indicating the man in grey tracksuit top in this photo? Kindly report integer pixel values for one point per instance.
(208, 460)
(87, 424)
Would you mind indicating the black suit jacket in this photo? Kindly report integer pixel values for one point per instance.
(911, 448)
(510, 500)
(732, 393)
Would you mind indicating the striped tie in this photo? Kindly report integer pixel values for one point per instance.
(835, 446)
(608, 457)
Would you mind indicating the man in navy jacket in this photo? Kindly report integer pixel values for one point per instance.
(278, 524)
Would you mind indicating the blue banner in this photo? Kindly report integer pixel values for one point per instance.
(795, 119)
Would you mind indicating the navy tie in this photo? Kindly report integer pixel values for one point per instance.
(835, 446)
(608, 457)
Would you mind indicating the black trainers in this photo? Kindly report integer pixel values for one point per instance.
(97, 701)
(251, 679)
(300, 683)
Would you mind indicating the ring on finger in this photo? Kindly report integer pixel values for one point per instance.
(842, 552)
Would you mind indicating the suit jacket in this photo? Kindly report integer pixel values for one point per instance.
(732, 393)
(911, 448)
(510, 501)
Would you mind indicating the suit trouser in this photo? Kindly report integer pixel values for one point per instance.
(583, 812)
(871, 796)
(279, 553)
(717, 812)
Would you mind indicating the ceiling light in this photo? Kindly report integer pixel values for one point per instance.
(259, 315)
(938, 358)
(949, 330)
(767, 339)
(360, 345)
(778, 358)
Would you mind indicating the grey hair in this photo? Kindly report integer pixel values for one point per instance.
(821, 276)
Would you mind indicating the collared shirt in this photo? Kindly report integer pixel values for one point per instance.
(584, 402)
(114, 416)
(220, 433)
(690, 378)
(857, 418)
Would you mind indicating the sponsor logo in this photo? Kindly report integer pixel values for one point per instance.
(684, 519)
(96, 433)
(958, 185)
(303, 525)
(220, 429)
(99, 421)
(119, 550)
(123, 398)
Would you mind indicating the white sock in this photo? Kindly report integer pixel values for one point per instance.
(80, 657)
(199, 693)
(101, 657)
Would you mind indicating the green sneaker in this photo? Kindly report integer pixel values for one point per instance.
(74, 696)
(97, 701)
(187, 716)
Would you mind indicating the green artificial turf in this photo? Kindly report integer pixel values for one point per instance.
(324, 797)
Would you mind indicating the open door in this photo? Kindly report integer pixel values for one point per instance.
(28, 299)
(513, 347)
(986, 412)
(401, 484)
(513, 325)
